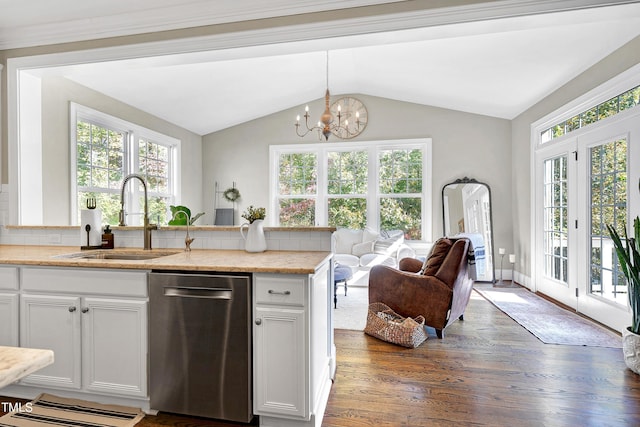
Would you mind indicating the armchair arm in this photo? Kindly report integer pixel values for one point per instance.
(412, 295)
(411, 265)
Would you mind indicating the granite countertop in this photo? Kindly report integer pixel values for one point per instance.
(288, 262)
(18, 362)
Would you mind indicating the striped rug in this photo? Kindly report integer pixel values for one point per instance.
(49, 410)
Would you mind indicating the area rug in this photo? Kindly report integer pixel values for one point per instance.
(550, 323)
(351, 312)
(49, 410)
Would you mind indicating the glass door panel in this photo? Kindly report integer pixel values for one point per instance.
(555, 219)
(555, 265)
(608, 179)
(608, 195)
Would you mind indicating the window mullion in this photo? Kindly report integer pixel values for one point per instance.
(321, 188)
(373, 189)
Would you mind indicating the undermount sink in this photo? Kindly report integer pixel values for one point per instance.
(109, 254)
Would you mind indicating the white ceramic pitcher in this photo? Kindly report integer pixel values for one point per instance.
(254, 240)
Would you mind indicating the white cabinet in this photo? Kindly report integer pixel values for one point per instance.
(99, 342)
(114, 346)
(8, 319)
(281, 385)
(293, 347)
(9, 306)
(53, 322)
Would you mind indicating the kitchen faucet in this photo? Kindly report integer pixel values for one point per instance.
(187, 240)
(147, 227)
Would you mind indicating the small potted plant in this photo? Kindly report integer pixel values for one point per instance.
(253, 214)
(628, 253)
(181, 215)
(254, 239)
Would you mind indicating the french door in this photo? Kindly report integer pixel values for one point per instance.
(583, 184)
(555, 237)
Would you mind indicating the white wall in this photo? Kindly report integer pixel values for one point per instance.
(57, 92)
(463, 145)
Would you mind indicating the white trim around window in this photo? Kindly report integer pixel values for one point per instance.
(373, 147)
(133, 133)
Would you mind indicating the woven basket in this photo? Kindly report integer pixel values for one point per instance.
(387, 325)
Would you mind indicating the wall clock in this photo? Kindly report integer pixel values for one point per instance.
(351, 110)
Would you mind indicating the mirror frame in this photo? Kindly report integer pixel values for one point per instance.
(467, 180)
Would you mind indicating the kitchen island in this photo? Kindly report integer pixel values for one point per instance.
(17, 362)
(75, 303)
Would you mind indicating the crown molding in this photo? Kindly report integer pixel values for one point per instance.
(205, 12)
(196, 14)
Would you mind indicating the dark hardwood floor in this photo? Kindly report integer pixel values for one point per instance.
(487, 371)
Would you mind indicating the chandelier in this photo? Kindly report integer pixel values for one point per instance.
(327, 125)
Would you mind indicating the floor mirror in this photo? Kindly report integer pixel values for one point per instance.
(466, 210)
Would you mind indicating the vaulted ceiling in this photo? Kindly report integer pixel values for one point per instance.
(492, 67)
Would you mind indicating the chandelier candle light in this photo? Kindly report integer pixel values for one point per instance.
(327, 125)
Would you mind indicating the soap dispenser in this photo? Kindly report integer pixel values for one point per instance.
(107, 238)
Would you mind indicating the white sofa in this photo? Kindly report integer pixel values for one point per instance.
(362, 249)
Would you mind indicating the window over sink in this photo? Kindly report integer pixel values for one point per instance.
(105, 149)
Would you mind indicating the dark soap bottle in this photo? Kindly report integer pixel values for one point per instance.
(107, 238)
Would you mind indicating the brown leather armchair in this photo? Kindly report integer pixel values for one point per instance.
(440, 293)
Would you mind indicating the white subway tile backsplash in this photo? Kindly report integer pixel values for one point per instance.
(163, 239)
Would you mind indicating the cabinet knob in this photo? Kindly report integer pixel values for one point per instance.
(85, 310)
(72, 309)
(258, 322)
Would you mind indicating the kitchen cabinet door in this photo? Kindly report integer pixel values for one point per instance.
(53, 322)
(8, 319)
(280, 368)
(114, 346)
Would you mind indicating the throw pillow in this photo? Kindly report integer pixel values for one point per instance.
(369, 234)
(344, 239)
(436, 257)
(388, 246)
(360, 249)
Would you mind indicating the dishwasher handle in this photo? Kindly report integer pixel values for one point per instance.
(191, 292)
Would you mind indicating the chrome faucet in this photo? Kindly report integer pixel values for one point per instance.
(147, 227)
(187, 240)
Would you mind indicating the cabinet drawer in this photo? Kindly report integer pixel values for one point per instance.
(280, 289)
(8, 278)
(85, 281)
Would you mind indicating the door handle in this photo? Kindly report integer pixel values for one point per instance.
(188, 292)
(72, 309)
(258, 321)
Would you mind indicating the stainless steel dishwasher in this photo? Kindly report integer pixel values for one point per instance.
(200, 352)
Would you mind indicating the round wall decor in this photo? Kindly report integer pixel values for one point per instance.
(231, 194)
(349, 106)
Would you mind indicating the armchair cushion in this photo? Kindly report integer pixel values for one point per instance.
(360, 249)
(347, 260)
(436, 257)
(448, 271)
